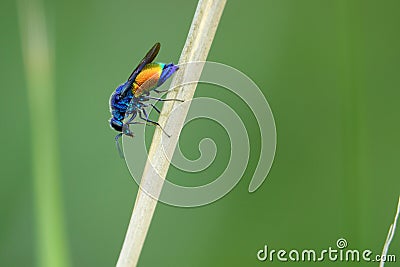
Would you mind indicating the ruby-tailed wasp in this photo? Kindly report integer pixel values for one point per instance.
(129, 100)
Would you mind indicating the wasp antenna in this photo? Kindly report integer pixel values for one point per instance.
(120, 152)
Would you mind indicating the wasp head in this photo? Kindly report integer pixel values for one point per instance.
(126, 130)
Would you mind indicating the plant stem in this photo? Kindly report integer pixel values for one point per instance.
(50, 231)
(197, 46)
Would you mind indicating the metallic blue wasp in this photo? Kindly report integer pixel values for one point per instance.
(128, 100)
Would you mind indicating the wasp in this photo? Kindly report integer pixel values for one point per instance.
(130, 99)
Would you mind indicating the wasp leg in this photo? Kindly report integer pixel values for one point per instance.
(133, 116)
(139, 122)
(162, 91)
(156, 108)
(163, 100)
(147, 123)
(130, 109)
(121, 154)
(152, 105)
(147, 105)
(150, 121)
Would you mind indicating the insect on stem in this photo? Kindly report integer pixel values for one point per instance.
(197, 46)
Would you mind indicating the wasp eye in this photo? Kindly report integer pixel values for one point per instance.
(116, 125)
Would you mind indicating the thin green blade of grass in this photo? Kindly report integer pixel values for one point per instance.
(37, 55)
(389, 238)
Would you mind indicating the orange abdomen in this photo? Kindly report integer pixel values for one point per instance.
(147, 79)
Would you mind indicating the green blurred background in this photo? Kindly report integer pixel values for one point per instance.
(330, 71)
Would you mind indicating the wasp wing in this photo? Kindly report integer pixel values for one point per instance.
(148, 58)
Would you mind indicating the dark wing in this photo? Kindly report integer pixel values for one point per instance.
(148, 58)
